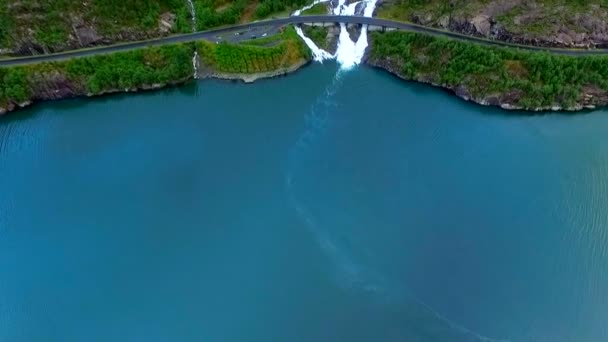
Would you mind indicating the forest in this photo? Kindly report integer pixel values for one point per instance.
(98, 74)
(535, 79)
(50, 22)
(148, 67)
(542, 22)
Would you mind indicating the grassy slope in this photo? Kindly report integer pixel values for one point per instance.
(262, 55)
(51, 21)
(317, 34)
(525, 79)
(318, 9)
(533, 18)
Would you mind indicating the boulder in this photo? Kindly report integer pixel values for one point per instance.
(87, 36)
(462, 92)
(482, 24)
(564, 38)
(166, 22)
(27, 47)
(444, 22)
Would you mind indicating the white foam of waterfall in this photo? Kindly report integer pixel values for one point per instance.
(346, 53)
(318, 54)
(338, 8)
(370, 6)
(195, 64)
(361, 45)
(298, 12)
(349, 53)
(351, 9)
(192, 14)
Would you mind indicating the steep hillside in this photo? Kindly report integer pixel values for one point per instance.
(43, 26)
(506, 77)
(150, 68)
(566, 23)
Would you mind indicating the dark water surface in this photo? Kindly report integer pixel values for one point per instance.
(306, 208)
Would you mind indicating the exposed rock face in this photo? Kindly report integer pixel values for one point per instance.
(482, 24)
(524, 22)
(55, 86)
(166, 22)
(50, 86)
(333, 32)
(354, 31)
(29, 48)
(87, 36)
(83, 33)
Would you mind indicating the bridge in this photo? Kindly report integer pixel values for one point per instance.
(376, 23)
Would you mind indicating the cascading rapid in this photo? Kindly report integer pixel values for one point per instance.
(349, 53)
(193, 19)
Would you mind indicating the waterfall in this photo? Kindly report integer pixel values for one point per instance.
(192, 14)
(318, 54)
(351, 53)
(195, 64)
(348, 53)
(298, 12)
(345, 54)
(195, 57)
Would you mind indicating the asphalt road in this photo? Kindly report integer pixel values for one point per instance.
(258, 28)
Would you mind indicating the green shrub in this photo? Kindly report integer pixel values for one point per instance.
(541, 79)
(131, 69)
(254, 58)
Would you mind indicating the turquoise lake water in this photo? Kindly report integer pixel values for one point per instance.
(322, 206)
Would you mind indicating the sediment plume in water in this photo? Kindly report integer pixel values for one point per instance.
(350, 273)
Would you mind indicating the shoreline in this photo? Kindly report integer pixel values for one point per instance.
(201, 75)
(206, 72)
(14, 107)
(463, 94)
(510, 79)
(250, 78)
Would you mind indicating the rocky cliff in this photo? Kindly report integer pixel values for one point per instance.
(46, 26)
(590, 97)
(534, 22)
